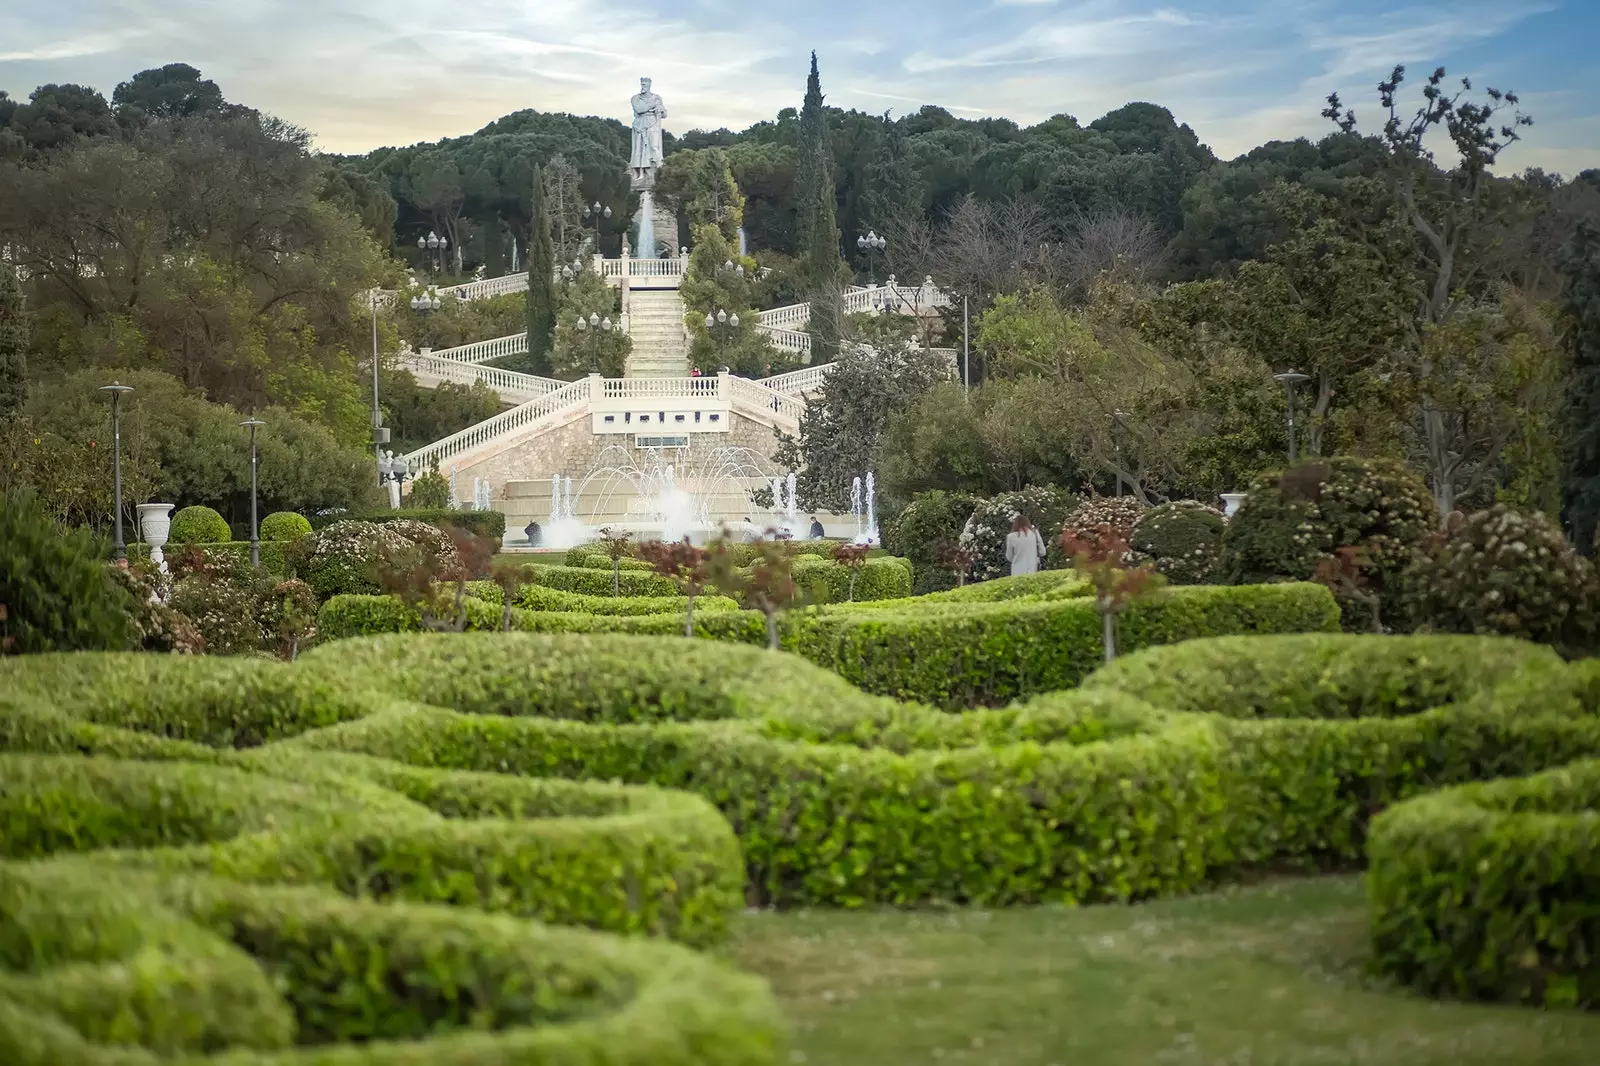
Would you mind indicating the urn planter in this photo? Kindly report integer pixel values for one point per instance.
(155, 525)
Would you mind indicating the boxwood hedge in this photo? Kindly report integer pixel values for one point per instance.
(274, 553)
(592, 582)
(1488, 891)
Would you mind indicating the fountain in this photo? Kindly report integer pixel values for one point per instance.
(863, 509)
(792, 514)
(855, 505)
(657, 498)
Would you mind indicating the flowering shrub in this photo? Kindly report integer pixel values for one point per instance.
(1182, 540)
(341, 558)
(284, 526)
(224, 608)
(1093, 518)
(199, 525)
(1511, 573)
(1291, 523)
(925, 531)
(984, 534)
(153, 623)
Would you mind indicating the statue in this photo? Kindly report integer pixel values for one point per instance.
(648, 111)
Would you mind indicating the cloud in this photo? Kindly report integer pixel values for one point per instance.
(363, 73)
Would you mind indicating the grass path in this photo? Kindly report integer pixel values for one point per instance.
(1264, 976)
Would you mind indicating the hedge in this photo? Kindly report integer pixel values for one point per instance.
(991, 653)
(274, 553)
(586, 557)
(544, 598)
(1488, 891)
(599, 582)
(883, 578)
(1325, 731)
(491, 524)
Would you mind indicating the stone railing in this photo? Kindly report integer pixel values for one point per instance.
(789, 340)
(547, 407)
(512, 386)
(656, 271)
(798, 382)
(860, 299)
(484, 351)
(478, 290)
(755, 396)
(786, 317)
(664, 388)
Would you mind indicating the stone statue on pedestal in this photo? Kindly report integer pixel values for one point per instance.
(648, 111)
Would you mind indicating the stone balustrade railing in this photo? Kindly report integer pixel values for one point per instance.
(520, 418)
(512, 386)
(484, 351)
(798, 382)
(753, 394)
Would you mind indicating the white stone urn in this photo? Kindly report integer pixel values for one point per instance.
(155, 523)
(1231, 502)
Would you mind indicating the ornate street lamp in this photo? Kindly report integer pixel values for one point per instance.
(598, 214)
(425, 304)
(1291, 380)
(255, 526)
(872, 245)
(435, 246)
(392, 470)
(591, 330)
(119, 549)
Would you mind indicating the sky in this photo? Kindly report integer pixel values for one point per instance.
(360, 74)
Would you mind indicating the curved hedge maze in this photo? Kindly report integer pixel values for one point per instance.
(478, 849)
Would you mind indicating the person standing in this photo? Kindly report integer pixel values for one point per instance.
(1024, 547)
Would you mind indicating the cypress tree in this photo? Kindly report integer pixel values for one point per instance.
(15, 336)
(820, 266)
(541, 281)
(1580, 263)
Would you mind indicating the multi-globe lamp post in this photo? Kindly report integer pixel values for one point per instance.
(435, 247)
(592, 330)
(596, 213)
(872, 245)
(255, 526)
(722, 327)
(1291, 380)
(119, 548)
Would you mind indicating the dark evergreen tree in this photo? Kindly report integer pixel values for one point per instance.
(820, 267)
(15, 336)
(541, 281)
(894, 193)
(1580, 263)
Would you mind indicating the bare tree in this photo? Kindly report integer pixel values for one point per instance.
(1113, 241)
(989, 249)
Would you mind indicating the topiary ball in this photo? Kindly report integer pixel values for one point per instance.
(284, 527)
(929, 524)
(985, 532)
(1182, 540)
(1507, 572)
(199, 525)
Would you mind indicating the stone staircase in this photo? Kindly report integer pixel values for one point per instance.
(660, 341)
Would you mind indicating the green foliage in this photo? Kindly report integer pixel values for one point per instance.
(600, 583)
(16, 337)
(594, 349)
(1182, 540)
(54, 589)
(1509, 573)
(541, 280)
(240, 610)
(343, 557)
(710, 287)
(274, 553)
(284, 527)
(885, 578)
(925, 529)
(816, 225)
(701, 183)
(429, 492)
(490, 524)
(1292, 522)
(546, 598)
(417, 416)
(1483, 891)
(1119, 514)
(986, 654)
(199, 525)
(1580, 429)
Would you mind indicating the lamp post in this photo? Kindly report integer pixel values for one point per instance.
(591, 330)
(872, 245)
(1291, 380)
(722, 326)
(598, 214)
(119, 549)
(255, 526)
(435, 246)
(392, 470)
(426, 303)
(736, 268)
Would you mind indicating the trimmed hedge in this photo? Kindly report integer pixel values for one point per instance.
(598, 582)
(604, 562)
(199, 525)
(274, 554)
(883, 578)
(544, 598)
(991, 653)
(284, 526)
(1488, 891)
(491, 524)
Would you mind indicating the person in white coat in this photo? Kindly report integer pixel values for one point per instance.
(1024, 547)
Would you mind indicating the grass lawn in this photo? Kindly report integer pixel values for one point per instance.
(1265, 976)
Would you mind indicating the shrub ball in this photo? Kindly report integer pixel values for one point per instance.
(285, 526)
(1182, 540)
(199, 525)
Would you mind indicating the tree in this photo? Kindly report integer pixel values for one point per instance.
(1580, 265)
(710, 287)
(817, 227)
(16, 333)
(575, 352)
(701, 183)
(541, 281)
(173, 91)
(842, 428)
(563, 202)
(1447, 209)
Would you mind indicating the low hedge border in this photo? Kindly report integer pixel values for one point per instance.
(883, 578)
(274, 553)
(142, 969)
(990, 653)
(491, 524)
(590, 582)
(1487, 891)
